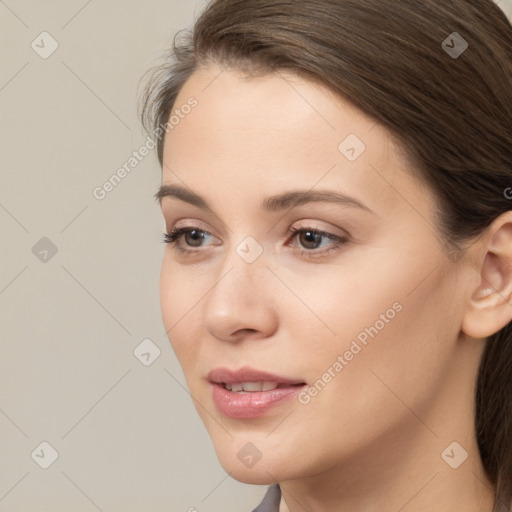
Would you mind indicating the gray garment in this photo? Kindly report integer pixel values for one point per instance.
(271, 500)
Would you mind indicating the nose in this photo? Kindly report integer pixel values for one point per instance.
(239, 306)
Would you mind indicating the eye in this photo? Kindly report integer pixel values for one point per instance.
(191, 236)
(315, 242)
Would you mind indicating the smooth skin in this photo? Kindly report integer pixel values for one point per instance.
(372, 439)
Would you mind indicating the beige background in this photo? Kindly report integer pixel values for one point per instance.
(127, 435)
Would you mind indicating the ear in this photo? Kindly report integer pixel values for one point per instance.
(490, 308)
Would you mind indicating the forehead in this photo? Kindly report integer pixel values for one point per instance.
(278, 103)
(278, 130)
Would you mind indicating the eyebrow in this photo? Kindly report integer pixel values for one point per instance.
(275, 203)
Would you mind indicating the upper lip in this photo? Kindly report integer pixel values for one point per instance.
(247, 374)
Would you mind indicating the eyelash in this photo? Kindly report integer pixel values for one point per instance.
(176, 233)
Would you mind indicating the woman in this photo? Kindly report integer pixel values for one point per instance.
(336, 187)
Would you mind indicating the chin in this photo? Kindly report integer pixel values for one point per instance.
(258, 470)
(257, 475)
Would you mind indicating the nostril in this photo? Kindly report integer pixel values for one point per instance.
(243, 332)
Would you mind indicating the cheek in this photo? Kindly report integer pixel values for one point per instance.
(329, 307)
(394, 345)
(179, 301)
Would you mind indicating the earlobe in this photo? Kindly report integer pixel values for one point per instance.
(490, 304)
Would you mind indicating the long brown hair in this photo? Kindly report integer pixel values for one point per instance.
(437, 74)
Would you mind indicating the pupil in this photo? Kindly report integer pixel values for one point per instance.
(310, 239)
(195, 237)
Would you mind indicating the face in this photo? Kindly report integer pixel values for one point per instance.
(309, 261)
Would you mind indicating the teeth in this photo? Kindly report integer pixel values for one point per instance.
(251, 386)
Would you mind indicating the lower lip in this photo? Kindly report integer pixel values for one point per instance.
(253, 404)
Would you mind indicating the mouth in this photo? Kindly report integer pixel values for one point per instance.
(249, 380)
(248, 393)
(253, 387)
